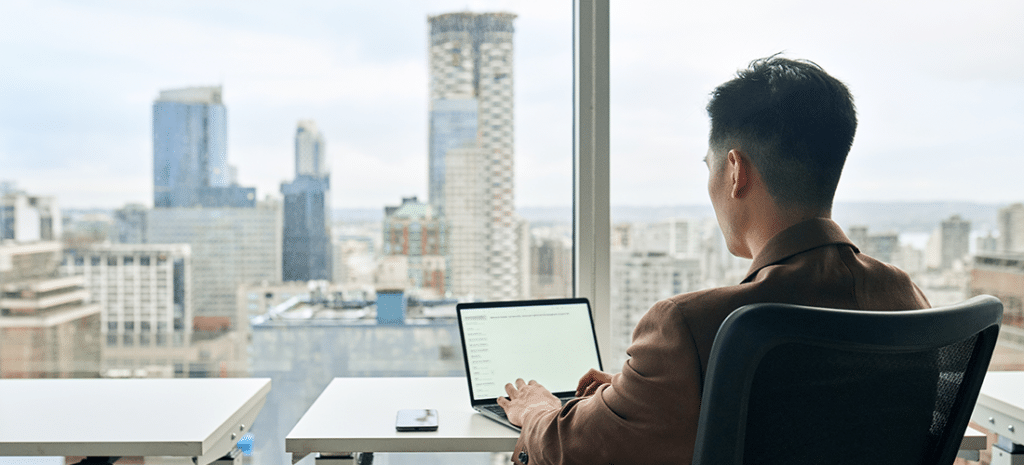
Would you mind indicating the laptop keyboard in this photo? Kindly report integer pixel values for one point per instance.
(497, 410)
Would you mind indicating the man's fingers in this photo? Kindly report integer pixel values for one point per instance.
(509, 389)
(520, 383)
(533, 381)
(585, 381)
(590, 381)
(503, 402)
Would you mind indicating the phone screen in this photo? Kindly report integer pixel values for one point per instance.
(416, 420)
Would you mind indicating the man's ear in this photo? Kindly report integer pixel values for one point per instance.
(739, 173)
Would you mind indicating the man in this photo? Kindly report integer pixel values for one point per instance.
(780, 134)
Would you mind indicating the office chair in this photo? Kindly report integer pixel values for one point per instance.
(789, 384)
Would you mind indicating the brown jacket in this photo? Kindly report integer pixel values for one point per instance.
(648, 413)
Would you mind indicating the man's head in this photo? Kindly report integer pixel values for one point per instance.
(795, 123)
(780, 133)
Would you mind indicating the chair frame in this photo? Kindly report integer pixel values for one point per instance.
(751, 331)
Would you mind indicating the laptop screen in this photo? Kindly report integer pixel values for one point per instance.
(551, 341)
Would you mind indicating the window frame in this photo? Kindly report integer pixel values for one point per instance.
(591, 182)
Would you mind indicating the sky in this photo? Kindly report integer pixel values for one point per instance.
(938, 86)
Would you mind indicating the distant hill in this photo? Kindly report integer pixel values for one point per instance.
(877, 216)
(914, 216)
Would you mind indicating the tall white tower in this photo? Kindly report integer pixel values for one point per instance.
(471, 115)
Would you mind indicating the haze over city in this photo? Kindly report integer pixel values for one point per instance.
(938, 95)
(305, 191)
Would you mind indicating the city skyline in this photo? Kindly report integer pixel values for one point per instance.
(938, 96)
(940, 91)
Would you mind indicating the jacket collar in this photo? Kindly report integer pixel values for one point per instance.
(796, 239)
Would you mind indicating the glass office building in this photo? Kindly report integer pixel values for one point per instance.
(189, 147)
(307, 238)
(307, 250)
(453, 124)
(229, 246)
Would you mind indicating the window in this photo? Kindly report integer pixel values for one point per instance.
(908, 196)
(321, 85)
(407, 129)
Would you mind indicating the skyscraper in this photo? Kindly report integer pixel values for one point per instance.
(307, 252)
(1011, 228)
(471, 64)
(310, 150)
(190, 164)
(956, 239)
(949, 243)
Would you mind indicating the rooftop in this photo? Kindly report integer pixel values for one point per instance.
(209, 95)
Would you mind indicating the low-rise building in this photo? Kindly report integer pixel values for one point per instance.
(48, 326)
(1002, 275)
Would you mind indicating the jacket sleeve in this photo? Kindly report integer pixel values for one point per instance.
(647, 414)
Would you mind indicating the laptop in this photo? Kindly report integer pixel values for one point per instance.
(552, 341)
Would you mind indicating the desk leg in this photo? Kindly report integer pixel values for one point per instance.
(1007, 452)
(972, 455)
(234, 457)
(334, 459)
(357, 458)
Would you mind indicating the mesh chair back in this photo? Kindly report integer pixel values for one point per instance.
(789, 384)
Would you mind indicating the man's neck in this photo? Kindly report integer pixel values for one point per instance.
(773, 222)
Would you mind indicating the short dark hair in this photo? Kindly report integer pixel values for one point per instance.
(794, 121)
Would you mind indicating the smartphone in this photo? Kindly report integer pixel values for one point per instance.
(416, 420)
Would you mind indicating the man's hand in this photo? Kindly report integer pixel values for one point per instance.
(526, 397)
(591, 381)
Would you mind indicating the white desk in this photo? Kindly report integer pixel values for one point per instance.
(200, 418)
(1000, 408)
(358, 415)
(1001, 405)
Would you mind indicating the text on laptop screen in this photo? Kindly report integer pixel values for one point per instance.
(553, 344)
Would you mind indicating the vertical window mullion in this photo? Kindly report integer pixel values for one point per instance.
(591, 210)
